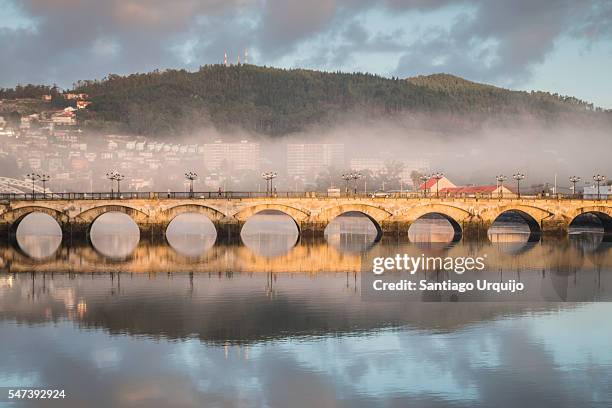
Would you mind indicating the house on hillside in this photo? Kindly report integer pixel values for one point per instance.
(82, 104)
(64, 118)
(75, 96)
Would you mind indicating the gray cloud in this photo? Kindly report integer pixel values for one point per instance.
(499, 41)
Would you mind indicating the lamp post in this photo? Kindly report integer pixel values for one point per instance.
(33, 177)
(356, 176)
(191, 176)
(574, 180)
(111, 177)
(118, 178)
(114, 176)
(598, 179)
(44, 178)
(500, 179)
(518, 177)
(269, 176)
(272, 177)
(347, 177)
(424, 178)
(437, 177)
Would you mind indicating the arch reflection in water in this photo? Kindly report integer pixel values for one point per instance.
(351, 232)
(514, 229)
(434, 228)
(114, 235)
(270, 233)
(38, 235)
(191, 234)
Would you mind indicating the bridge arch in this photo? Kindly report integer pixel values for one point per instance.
(532, 216)
(89, 216)
(296, 214)
(603, 214)
(375, 214)
(454, 215)
(530, 212)
(457, 230)
(450, 212)
(171, 213)
(15, 216)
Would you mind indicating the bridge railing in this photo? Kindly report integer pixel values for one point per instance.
(160, 195)
(129, 195)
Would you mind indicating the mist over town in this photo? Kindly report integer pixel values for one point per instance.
(72, 136)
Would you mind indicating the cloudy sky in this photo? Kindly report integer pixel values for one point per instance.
(560, 46)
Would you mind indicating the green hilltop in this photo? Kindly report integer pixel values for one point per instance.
(281, 101)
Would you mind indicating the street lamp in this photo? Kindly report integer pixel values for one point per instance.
(356, 176)
(114, 176)
(347, 177)
(574, 180)
(111, 177)
(269, 176)
(33, 177)
(424, 178)
(118, 178)
(500, 179)
(191, 176)
(598, 179)
(518, 177)
(44, 178)
(437, 177)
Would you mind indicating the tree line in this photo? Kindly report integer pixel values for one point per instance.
(280, 101)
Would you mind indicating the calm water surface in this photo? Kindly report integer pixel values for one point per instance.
(275, 320)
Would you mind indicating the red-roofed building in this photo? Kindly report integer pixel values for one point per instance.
(82, 104)
(430, 185)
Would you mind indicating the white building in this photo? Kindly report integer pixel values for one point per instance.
(64, 118)
(375, 165)
(590, 192)
(244, 155)
(307, 159)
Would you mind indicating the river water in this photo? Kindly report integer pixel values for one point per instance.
(275, 320)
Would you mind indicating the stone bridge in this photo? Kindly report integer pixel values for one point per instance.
(468, 216)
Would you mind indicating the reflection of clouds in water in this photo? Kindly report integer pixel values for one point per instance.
(191, 234)
(527, 360)
(38, 235)
(351, 232)
(269, 233)
(115, 235)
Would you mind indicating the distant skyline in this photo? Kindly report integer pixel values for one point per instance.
(558, 46)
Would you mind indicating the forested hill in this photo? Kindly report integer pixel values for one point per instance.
(277, 101)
